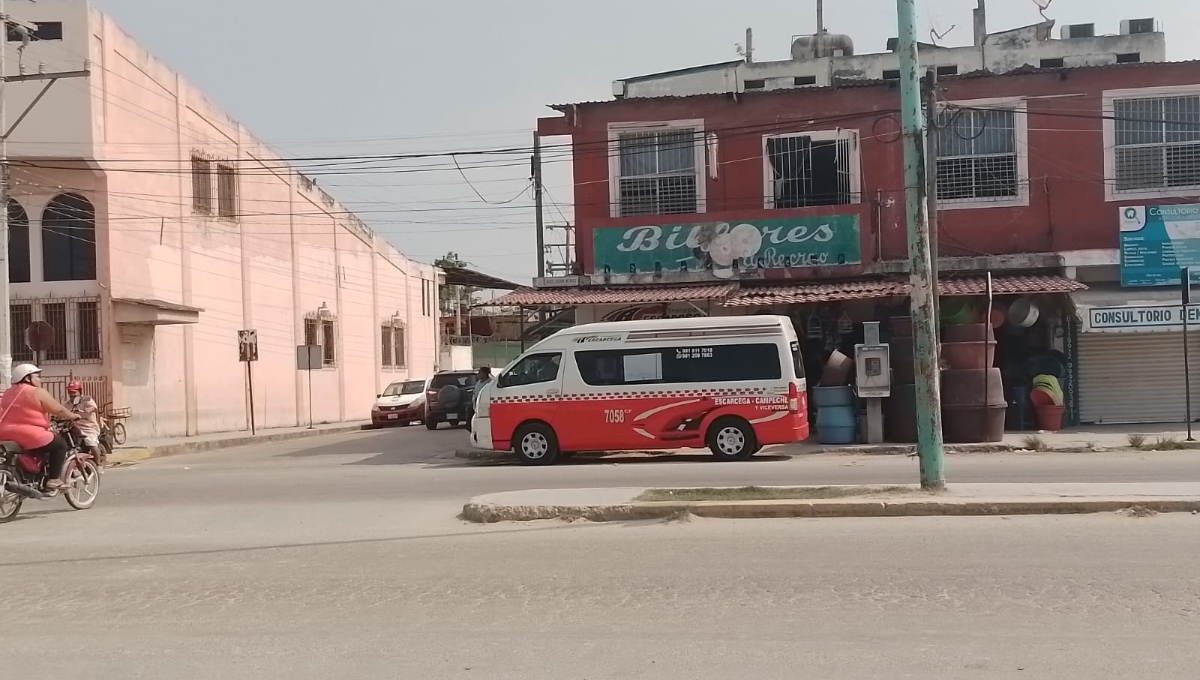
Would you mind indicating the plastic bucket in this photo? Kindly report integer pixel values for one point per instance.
(1049, 418)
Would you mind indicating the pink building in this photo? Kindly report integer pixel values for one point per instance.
(148, 228)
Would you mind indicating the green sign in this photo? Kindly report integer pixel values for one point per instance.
(727, 248)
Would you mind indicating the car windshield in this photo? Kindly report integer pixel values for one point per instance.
(465, 380)
(409, 387)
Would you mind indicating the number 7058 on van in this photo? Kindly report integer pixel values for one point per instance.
(729, 384)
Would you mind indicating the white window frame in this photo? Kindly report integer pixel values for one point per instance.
(1020, 107)
(1110, 141)
(853, 135)
(700, 144)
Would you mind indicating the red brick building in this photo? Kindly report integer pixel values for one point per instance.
(715, 191)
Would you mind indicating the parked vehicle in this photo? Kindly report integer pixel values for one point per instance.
(448, 398)
(23, 474)
(732, 384)
(402, 403)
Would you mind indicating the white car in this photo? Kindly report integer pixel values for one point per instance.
(402, 403)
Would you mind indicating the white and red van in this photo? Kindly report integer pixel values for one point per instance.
(732, 384)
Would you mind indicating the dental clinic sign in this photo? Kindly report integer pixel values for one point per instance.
(728, 248)
(1135, 319)
(1156, 240)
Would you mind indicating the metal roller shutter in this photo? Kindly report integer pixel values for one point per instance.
(1136, 377)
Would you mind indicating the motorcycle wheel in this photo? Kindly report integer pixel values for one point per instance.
(83, 485)
(10, 503)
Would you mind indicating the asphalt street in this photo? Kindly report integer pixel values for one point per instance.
(343, 557)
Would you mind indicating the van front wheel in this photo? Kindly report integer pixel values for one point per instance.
(732, 439)
(536, 444)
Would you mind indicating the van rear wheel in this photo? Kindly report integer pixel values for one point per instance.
(732, 439)
(536, 444)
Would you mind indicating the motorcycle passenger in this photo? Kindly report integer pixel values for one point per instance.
(24, 418)
(89, 425)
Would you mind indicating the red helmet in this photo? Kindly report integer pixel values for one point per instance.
(74, 386)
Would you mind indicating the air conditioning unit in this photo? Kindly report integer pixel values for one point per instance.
(1078, 31)
(1136, 26)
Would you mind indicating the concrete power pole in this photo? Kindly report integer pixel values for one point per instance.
(931, 118)
(928, 376)
(5, 289)
(6, 334)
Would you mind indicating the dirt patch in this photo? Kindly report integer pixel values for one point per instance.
(761, 493)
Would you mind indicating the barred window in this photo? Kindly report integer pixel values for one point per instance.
(977, 155)
(1157, 143)
(811, 169)
(76, 324)
(202, 186)
(322, 331)
(658, 172)
(227, 192)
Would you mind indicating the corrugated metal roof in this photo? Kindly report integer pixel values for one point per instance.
(681, 71)
(866, 290)
(545, 297)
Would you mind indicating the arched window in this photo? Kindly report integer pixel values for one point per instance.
(18, 243)
(69, 239)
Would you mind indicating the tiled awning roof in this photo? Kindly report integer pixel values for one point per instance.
(803, 293)
(545, 297)
(807, 293)
(1008, 285)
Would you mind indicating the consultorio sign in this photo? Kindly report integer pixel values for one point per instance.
(1140, 319)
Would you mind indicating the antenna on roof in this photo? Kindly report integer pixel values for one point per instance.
(1042, 6)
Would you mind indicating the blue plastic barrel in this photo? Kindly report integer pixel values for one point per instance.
(833, 396)
(836, 425)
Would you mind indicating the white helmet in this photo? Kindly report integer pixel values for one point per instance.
(22, 371)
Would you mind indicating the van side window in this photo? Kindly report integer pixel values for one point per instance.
(692, 364)
(533, 369)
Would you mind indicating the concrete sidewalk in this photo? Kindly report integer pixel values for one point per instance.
(613, 505)
(155, 448)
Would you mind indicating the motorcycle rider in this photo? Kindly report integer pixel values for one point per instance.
(89, 425)
(24, 418)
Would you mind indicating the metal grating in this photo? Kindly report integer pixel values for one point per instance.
(1157, 143)
(76, 323)
(977, 155)
(658, 173)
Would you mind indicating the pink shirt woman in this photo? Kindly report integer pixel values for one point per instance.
(24, 411)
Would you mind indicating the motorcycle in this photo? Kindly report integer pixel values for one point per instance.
(23, 474)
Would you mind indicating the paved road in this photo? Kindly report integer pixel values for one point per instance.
(342, 558)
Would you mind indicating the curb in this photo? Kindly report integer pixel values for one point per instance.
(487, 513)
(138, 454)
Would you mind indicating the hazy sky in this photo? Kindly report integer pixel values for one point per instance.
(360, 77)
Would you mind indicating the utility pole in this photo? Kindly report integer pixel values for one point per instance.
(928, 376)
(5, 289)
(537, 203)
(537, 207)
(6, 334)
(931, 120)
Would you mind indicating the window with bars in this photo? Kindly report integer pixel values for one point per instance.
(55, 314)
(1156, 143)
(811, 169)
(978, 158)
(322, 331)
(20, 316)
(202, 186)
(392, 346)
(76, 324)
(227, 192)
(658, 171)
